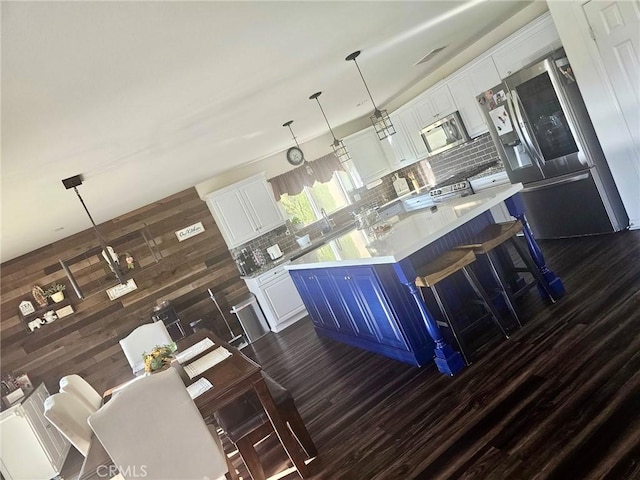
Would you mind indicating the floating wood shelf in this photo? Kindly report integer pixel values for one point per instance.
(41, 311)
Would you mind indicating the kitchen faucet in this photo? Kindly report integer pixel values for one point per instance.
(327, 222)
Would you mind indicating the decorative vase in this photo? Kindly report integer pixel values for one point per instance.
(57, 297)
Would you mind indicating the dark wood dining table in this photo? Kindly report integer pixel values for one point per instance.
(230, 378)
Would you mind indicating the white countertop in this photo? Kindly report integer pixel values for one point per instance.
(410, 234)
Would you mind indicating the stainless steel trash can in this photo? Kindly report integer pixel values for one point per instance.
(251, 318)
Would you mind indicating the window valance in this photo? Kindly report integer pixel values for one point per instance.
(293, 181)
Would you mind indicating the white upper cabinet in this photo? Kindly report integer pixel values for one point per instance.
(368, 154)
(433, 103)
(466, 85)
(456, 92)
(245, 210)
(407, 144)
(526, 45)
(398, 147)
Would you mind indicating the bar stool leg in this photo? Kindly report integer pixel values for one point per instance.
(445, 313)
(552, 283)
(533, 269)
(471, 278)
(503, 289)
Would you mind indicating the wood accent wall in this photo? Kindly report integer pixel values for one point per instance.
(86, 342)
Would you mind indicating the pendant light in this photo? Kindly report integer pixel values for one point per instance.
(74, 182)
(294, 154)
(380, 119)
(339, 148)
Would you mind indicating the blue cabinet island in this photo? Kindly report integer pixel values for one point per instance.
(359, 288)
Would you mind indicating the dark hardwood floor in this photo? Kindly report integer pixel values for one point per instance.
(559, 400)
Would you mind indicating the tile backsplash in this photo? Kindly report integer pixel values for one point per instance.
(434, 169)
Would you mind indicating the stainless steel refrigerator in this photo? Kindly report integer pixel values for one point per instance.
(544, 135)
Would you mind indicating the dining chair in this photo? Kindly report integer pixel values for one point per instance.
(153, 429)
(246, 423)
(78, 386)
(69, 415)
(142, 340)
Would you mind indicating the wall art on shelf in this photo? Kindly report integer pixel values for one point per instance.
(122, 289)
(26, 307)
(190, 231)
(23, 382)
(64, 311)
(39, 296)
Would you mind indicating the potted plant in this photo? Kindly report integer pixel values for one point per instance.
(55, 291)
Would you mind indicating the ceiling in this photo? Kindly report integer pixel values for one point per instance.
(145, 99)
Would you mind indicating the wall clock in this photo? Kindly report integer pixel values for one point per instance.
(295, 156)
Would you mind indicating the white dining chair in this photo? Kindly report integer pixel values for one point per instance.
(69, 415)
(154, 429)
(78, 386)
(142, 340)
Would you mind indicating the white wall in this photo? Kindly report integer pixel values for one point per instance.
(601, 102)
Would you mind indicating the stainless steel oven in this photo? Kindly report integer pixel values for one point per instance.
(446, 133)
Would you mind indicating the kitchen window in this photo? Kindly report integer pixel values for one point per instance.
(306, 206)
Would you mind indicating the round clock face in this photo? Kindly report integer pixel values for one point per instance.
(295, 156)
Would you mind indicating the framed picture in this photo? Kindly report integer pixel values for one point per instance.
(23, 382)
(26, 308)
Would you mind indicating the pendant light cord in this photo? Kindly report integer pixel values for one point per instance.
(325, 119)
(365, 84)
(288, 124)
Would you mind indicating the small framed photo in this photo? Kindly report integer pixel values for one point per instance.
(26, 308)
(64, 311)
(23, 382)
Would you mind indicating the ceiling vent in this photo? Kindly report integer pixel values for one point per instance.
(429, 55)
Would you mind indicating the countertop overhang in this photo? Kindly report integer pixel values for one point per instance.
(409, 234)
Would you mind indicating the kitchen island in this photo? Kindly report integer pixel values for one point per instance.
(359, 288)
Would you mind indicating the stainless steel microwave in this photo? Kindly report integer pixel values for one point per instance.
(446, 133)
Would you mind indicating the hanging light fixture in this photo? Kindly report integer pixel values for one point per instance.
(380, 118)
(74, 182)
(294, 154)
(339, 148)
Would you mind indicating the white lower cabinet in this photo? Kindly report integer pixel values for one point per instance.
(278, 297)
(30, 447)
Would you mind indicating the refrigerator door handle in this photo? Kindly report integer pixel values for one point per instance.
(523, 127)
(521, 136)
(555, 183)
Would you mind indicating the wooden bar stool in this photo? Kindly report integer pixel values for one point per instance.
(443, 267)
(492, 237)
